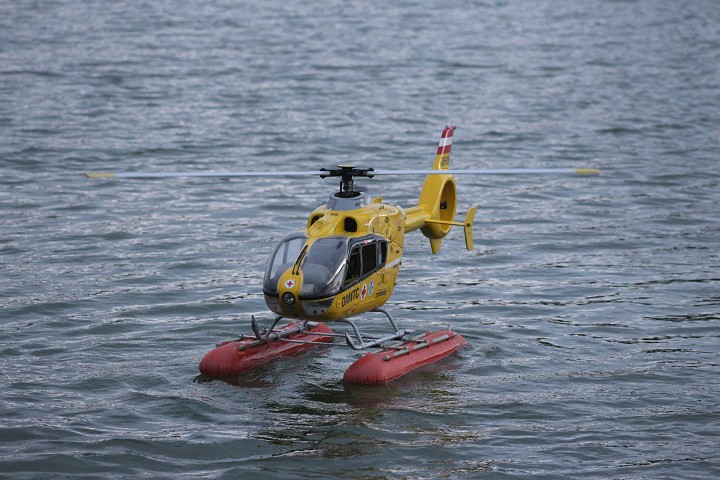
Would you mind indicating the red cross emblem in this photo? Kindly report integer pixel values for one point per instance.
(363, 292)
(290, 283)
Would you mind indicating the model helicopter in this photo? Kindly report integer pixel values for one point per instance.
(345, 263)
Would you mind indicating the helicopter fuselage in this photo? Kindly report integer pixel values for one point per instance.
(347, 259)
(344, 263)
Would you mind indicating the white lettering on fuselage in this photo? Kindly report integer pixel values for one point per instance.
(350, 297)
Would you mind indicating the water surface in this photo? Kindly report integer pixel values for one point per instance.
(591, 305)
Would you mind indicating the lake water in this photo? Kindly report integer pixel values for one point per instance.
(591, 304)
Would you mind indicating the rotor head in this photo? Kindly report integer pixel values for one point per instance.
(346, 174)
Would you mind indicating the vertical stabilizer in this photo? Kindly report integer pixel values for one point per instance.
(442, 159)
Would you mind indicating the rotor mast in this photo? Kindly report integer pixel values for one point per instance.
(346, 174)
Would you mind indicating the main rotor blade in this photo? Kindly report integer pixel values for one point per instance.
(196, 174)
(491, 171)
(481, 171)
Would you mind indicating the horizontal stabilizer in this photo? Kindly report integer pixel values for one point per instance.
(467, 228)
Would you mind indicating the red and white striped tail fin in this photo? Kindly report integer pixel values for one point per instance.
(442, 159)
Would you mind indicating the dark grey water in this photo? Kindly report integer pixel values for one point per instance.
(592, 305)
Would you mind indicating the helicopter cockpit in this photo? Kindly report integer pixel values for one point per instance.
(329, 265)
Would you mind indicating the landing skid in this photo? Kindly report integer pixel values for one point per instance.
(399, 353)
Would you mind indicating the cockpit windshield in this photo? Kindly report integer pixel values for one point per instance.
(285, 255)
(323, 267)
(330, 265)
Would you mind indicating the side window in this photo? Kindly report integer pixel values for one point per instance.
(365, 259)
(354, 266)
(382, 253)
(369, 258)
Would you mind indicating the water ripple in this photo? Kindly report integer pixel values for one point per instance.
(590, 304)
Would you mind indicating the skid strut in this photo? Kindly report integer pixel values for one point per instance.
(356, 340)
(360, 344)
(270, 334)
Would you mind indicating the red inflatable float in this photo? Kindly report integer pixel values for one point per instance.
(389, 364)
(234, 357)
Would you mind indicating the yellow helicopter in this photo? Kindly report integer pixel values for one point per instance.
(344, 263)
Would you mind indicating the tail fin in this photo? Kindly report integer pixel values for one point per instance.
(442, 159)
(435, 211)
